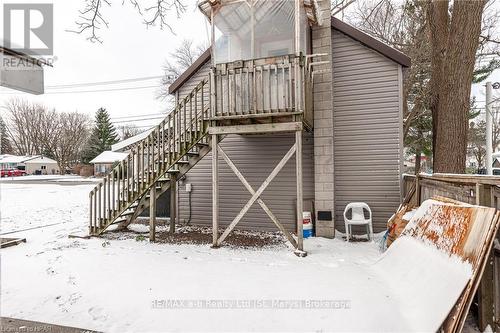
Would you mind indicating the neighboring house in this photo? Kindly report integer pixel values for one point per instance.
(496, 160)
(8, 161)
(41, 165)
(33, 165)
(104, 162)
(263, 100)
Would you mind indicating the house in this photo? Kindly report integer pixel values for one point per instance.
(290, 110)
(104, 162)
(41, 165)
(496, 159)
(33, 165)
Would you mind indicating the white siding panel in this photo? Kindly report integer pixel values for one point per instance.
(367, 147)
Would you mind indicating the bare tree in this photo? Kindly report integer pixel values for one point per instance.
(476, 142)
(128, 131)
(28, 126)
(5, 145)
(455, 36)
(444, 68)
(179, 60)
(71, 133)
(35, 130)
(154, 12)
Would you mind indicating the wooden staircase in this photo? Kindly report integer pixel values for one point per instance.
(168, 152)
(255, 96)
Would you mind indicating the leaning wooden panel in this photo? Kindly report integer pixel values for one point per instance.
(457, 229)
(462, 230)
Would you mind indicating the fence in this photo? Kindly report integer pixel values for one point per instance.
(476, 190)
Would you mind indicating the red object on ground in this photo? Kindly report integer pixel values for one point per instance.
(12, 172)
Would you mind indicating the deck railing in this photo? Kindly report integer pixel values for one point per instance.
(150, 159)
(259, 87)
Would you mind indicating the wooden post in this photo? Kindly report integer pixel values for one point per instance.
(418, 189)
(215, 190)
(485, 293)
(152, 213)
(173, 202)
(298, 162)
(91, 224)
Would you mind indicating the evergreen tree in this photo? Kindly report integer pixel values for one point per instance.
(5, 145)
(103, 135)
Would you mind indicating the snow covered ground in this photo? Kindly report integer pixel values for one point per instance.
(135, 286)
(49, 178)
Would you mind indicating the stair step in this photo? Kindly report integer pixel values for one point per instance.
(128, 212)
(182, 162)
(119, 220)
(202, 144)
(193, 153)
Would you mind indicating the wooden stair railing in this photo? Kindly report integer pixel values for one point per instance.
(174, 146)
(260, 90)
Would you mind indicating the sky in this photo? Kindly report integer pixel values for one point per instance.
(129, 50)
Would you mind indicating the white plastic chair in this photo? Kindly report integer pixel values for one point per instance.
(358, 218)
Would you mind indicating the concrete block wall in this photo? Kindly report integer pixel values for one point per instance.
(323, 125)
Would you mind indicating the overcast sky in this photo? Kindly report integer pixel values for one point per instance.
(129, 50)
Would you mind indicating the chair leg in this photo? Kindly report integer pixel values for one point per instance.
(346, 232)
(371, 231)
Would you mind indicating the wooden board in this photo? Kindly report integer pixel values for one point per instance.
(6, 242)
(457, 229)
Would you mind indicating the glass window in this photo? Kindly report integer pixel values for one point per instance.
(255, 29)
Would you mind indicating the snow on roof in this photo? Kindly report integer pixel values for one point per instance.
(109, 157)
(40, 159)
(130, 141)
(497, 154)
(16, 159)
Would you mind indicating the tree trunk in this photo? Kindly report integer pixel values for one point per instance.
(439, 30)
(454, 52)
(418, 160)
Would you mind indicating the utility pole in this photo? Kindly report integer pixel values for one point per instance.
(489, 130)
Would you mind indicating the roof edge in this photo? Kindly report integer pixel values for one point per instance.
(336, 24)
(190, 71)
(371, 42)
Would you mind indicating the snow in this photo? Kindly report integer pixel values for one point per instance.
(413, 286)
(408, 215)
(14, 158)
(127, 142)
(125, 285)
(109, 157)
(51, 178)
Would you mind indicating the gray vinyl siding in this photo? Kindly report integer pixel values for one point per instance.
(190, 84)
(366, 130)
(255, 156)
